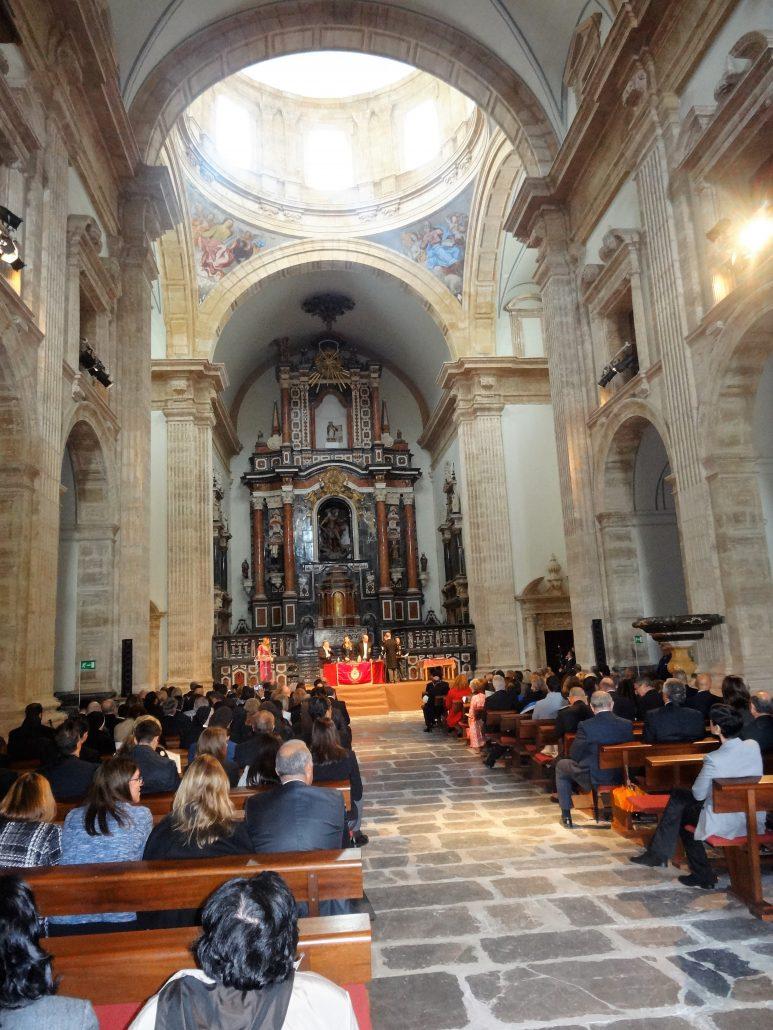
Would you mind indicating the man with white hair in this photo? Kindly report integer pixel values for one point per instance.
(761, 729)
(582, 766)
(673, 723)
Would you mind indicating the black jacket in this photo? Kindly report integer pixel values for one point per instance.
(624, 707)
(651, 699)
(323, 657)
(296, 817)
(31, 740)
(569, 718)
(392, 653)
(344, 769)
(604, 728)
(672, 724)
(159, 773)
(175, 725)
(702, 701)
(70, 777)
(503, 700)
(760, 730)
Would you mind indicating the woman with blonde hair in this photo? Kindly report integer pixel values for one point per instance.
(214, 741)
(475, 723)
(28, 836)
(202, 822)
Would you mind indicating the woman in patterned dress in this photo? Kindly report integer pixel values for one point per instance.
(265, 659)
(475, 716)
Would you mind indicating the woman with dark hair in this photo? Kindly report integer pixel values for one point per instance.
(333, 762)
(28, 836)
(262, 768)
(98, 739)
(624, 704)
(246, 952)
(28, 999)
(214, 741)
(110, 826)
(736, 694)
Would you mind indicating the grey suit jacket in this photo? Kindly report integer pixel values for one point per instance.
(52, 1013)
(735, 758)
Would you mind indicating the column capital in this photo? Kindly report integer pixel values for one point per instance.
(484, 385)
(186, 388)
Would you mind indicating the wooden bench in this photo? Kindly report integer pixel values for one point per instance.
(165, 884)
(742, 854)
(130, 966)
(160, 805)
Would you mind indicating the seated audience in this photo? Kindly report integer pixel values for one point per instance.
(173, 722)
(454, 703)
(577, 711)
(624, 700)
(548, 706)
(32, 740)
(240, 727)
(262, 767)
(333, 762)
(28, 834)
(202, 822)
(761, 730)
(262, 722)
(246, 952)
(436, 688)
(7, 776)
(214, 741)
(506, 698)
(321, 706)
(673, 723)
(123, 729)
(647, 697)
(110, 713)
(98, 739)
(701, 697)
(736, 694)
(194, 690)
(111, 826)
(695, 808)
(196, 720)
(159, 772)
(296, 816)
(582, 766)
(476, 715)
(70, 777)
(28, 998)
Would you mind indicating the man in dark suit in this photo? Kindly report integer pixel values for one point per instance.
(582, 766)
(761, 730)
(325, 653)
(195, 690)
(391, 652)
(673, 722)
(701, 699)
(70, 777)
(504, 698)
(364, 649)
(437, 687)
(32, 739)
(159, 773)
(647, 697)
(577, 711)
(296, 816)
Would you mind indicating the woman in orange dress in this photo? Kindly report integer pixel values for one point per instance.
(454, 702)
(475, 722)
(265, 659)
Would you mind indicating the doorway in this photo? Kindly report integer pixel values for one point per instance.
(558, 643)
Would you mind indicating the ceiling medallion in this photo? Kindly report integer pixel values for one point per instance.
(327, 306)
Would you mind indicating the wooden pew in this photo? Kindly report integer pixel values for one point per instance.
(165, 884)
(161, 804)
(130, 966)
(679, 770)
(742, 854)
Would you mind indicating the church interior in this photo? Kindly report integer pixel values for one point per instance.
(386, 420)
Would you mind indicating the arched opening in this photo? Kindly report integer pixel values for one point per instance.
(640, 544)
(84, 656)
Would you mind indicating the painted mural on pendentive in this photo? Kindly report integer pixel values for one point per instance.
(221, 241)
(438, 242)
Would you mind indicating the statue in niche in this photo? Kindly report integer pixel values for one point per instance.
(245, 569)
(335, 433)
(275, 535)
(334, 531)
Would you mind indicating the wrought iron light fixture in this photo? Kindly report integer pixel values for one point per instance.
(9, 248)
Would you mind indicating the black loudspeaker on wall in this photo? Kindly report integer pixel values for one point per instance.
(127, 667)
(599, 650)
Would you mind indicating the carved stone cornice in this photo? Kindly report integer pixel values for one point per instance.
(18, 141)
(225, 437)
(484, 385)
(99, 277)
(185, 389)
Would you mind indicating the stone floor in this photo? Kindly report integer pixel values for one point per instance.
(490, 914)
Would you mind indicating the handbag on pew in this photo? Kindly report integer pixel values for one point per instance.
(621, 796)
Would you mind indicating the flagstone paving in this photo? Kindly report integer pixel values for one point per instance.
(489, 914)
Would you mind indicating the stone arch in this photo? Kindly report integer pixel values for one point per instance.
(386, 30)
(639, 538)
(258, 272)
(85, 622)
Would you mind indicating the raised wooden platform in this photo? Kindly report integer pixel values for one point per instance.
(382, 698)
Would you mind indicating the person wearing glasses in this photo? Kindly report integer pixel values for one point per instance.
(110, 826)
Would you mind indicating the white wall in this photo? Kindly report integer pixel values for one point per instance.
(762, 431)
(622, 213)
(79, 203)
(158, 528)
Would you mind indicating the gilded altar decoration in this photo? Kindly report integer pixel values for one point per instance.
(328, 370)
(333, 483)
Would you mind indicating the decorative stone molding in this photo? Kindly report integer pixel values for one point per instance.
(583, 51)
(484, 385)
(186, 388)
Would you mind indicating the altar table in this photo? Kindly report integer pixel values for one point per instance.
(338, 673)
(446, 665)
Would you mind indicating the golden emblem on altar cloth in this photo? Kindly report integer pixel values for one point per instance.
(354, 674)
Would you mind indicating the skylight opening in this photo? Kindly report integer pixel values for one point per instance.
(421, 135)
(327, 160)
(329, 75)
(233, 135)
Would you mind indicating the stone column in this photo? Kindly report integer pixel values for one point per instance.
(258, 546)
(571, 378)
(532, 647)
(411, 544)
(623, 582)
(290, 589)
(184, 390)
(384, 582)
(148, 211)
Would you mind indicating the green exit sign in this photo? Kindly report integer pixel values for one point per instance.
(638, 638)
(88, 665)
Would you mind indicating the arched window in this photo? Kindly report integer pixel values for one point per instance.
(327, 160)
(233, 133)
(421, 135)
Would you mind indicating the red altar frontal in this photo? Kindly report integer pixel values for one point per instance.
(352, 673)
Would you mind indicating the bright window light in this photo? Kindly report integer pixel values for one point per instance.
(421, 134)
(327, 160)
(326, 74)
(232, 132)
